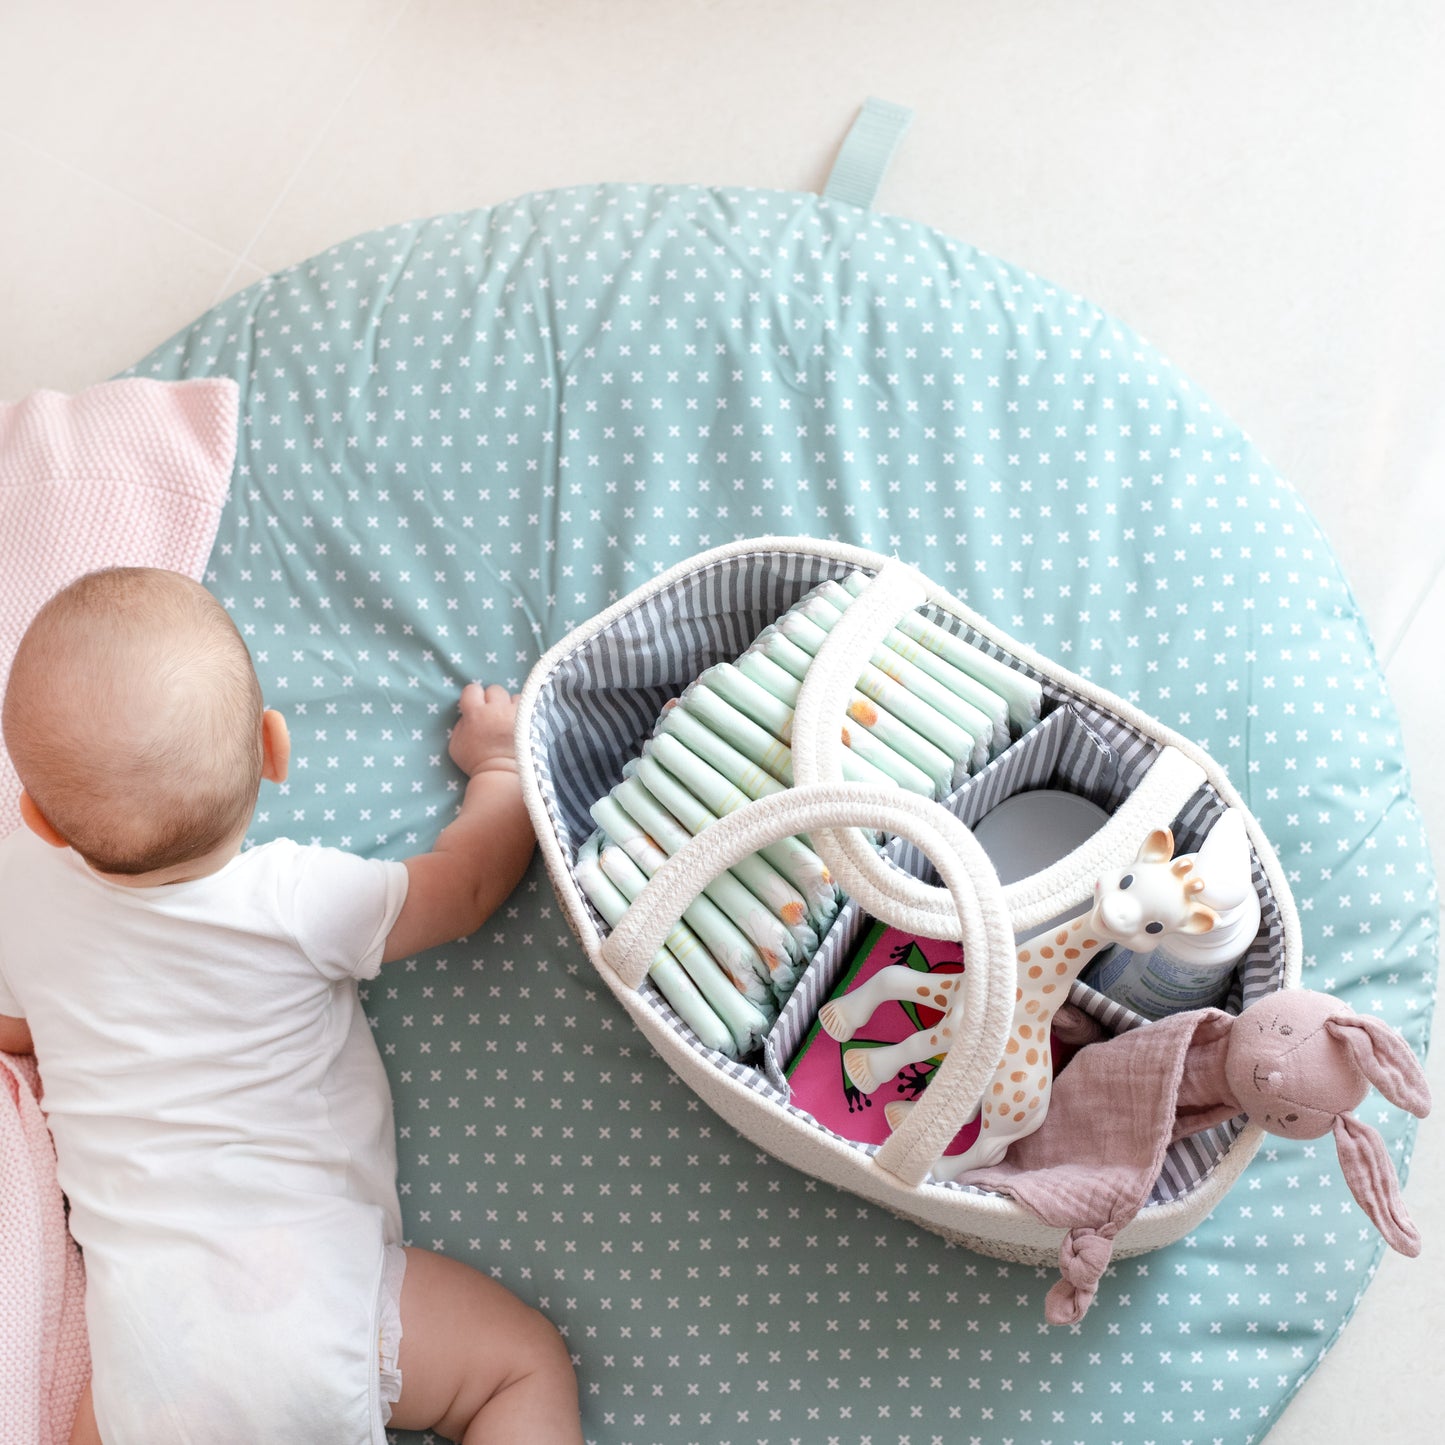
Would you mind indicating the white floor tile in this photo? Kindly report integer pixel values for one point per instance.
(241, 275)
(92, 279)
(1417, 684)
(201, 111)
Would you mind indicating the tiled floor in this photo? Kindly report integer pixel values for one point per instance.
(1257, 189)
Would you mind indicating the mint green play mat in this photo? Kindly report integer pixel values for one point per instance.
(461, 437)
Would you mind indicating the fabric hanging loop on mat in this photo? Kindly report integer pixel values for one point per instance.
(867, 150)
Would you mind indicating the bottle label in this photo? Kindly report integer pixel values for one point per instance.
(1154, 984)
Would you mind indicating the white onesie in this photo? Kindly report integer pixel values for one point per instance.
(223, 1129)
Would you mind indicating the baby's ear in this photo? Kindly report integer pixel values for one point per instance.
(38, 823)
(1384, 1058)
(275, 746)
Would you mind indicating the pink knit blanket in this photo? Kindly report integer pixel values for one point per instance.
(127, 473)
(44, 1358)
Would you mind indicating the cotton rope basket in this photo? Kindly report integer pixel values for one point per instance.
(594, 699)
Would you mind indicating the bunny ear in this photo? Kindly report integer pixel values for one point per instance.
(1384, 1058)
(1372, 1181)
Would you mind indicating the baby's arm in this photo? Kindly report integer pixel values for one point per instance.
(481, 856)
(15, 1036)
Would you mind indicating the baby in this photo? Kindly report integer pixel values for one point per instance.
(221, 1117)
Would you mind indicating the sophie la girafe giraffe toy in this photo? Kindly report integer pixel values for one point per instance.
(1154, 898)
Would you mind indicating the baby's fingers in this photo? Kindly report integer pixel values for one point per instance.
(475, 698)
(483, 733)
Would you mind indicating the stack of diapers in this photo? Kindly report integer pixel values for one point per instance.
(928, 711)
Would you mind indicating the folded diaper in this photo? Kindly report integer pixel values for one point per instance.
(888, 728)
(764, 750)
(667, 971)
(797, 862)
(776, 900)
(986, 719)
(735, 728)
(778, 951)
(747, 1021)
(632, 855)
(968, 749)
(749, 779)
(1022, 693)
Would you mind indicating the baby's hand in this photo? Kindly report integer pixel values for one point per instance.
(483, 740)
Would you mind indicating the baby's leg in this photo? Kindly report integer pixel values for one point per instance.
(477, 1365)
(84, 1431)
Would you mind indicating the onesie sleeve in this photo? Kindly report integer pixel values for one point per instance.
(9, 1004)
(340, 908)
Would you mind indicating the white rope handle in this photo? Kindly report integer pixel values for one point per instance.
(977, 916)
(817, 745)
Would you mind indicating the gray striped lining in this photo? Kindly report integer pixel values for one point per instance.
(600, 703)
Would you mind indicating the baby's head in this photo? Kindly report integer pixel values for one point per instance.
(134, 719)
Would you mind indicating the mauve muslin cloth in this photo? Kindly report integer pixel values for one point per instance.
(1115, 1110)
